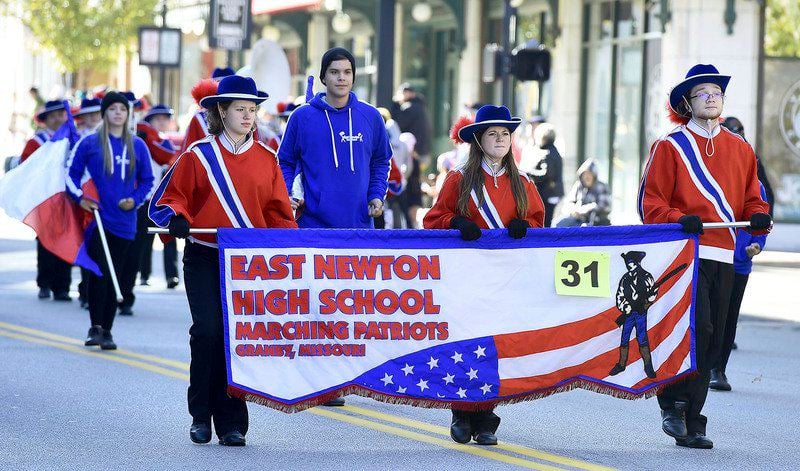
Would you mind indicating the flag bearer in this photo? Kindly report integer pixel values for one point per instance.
(119, 165)
(488, 192)
(699, 173)
(190, 195)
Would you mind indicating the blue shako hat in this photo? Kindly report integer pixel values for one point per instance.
(221, 72)
(288, 111)
(700, 73)
(88, 105)
(486, 117)
(156, 110)
(52, 105)
(235, 87)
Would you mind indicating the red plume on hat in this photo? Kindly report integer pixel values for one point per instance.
(203, 89)
(674, 117)
(460, 123)
(281, 106)
(99, 95)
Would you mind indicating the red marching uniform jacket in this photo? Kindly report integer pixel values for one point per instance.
(498, 208)
(34, 143)
(716, 179)
(212, 187)
(160, 149)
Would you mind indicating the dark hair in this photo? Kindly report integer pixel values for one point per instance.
(473, 180)
(215, 125)
(682, 108)
(335, 54)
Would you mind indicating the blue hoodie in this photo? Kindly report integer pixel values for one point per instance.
(344, 158)
(742, 263)
(87, 156)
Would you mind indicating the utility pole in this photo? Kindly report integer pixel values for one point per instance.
(385, 52)
(509, 30)
(162, 70)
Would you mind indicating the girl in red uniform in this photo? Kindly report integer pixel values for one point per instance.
(227, 179)
(488, 192)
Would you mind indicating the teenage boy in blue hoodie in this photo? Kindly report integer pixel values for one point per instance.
(341, 147)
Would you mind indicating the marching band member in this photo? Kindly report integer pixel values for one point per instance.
(87, 118)
(119, 165)
(698, 173)
(488, 192)
(53, 275)
(191, 195)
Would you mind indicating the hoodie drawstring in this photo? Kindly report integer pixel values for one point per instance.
(350, 130)
(349, 138)
(333, 141)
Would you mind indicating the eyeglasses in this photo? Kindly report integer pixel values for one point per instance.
(706, 96)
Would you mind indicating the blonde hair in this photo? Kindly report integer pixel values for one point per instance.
(127, 141)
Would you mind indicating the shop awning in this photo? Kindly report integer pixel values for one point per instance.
(271, 7)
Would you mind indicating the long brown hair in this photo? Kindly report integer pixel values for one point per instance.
(127, 141)
(473, 179)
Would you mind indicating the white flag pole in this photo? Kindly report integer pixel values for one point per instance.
(725, 225)
(163, 230)
(113, 272)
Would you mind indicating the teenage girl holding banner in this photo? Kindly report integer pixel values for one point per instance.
(227, 179)
(118, 163)
(488, 192)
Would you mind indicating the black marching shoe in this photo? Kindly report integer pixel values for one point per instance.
(146, 282)
(338, 402)
(125, 311)
(84, 304)
(719, 381)
(200, 432)
(232, 439)
(62, 296)
(107, 341)
(485, 438)
(460, 430)
(673, 421)
(695, 440)
(172, 283)
(93, 337)
(44, 293)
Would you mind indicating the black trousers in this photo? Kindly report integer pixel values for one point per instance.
(100, 289)
(713, 294)
(208, 397)
(737, 294)
(52, 272)
(130, 266)
(548, 213)
(480, 421)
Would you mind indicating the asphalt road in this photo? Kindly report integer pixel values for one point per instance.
(70, 407)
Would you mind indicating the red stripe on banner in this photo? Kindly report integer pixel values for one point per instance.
(599, 366)
(59, 225)
(566, 335)
(672, 366)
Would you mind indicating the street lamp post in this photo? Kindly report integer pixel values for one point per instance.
(509, 25)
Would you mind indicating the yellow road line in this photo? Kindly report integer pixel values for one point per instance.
(68, 340)
(401, 432)
(97, 354)
(76, 346)
(439, 430)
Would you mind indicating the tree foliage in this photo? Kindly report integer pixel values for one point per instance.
(86, 34)
(782, 28)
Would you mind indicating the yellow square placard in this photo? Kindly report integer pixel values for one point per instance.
(582, 273)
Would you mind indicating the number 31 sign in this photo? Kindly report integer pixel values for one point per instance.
(582, 273)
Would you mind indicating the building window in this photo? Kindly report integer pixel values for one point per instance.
(621, 63)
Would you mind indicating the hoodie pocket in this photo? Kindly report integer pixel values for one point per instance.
(343, 209)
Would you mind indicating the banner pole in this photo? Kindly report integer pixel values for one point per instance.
(113, 272)
(725, 225)
(164, 230)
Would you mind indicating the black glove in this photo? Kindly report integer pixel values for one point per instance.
(760, 221)
(691, 224)
(518, 228)
(469, 230)
(179, 227)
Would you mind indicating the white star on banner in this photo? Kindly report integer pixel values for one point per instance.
(434, 363)
(486, 388)
(408, 369)
(387, 379)
(456, 357)
(462, 393)
(480, 351)
(423, 385)
(401, 390)
(448, 378)
(472, 373)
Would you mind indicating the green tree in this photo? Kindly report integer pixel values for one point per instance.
(84, 34)
(782, 28)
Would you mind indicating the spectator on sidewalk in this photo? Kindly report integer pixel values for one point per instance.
(588, 202)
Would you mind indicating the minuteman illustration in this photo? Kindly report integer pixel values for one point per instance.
(636, 293)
